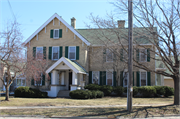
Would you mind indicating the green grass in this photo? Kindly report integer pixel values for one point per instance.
(100, 112)
(74, 102)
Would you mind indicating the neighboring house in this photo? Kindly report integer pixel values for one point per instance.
(79, 58)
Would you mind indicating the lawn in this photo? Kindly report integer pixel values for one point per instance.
(73, 102)
(99, 112)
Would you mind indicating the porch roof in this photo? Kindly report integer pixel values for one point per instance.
(74, 66)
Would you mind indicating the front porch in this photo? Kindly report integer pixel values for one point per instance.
(66, 75)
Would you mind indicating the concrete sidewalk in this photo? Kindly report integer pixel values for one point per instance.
(101, 106)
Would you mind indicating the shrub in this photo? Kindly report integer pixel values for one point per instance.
(160, 90)
(169, 91)
(94, 94)
(135, 90)
(106, 89)
(80, 94)
(147, 91)
(118, 90)
(100, 94)
(92, 87)
(125, 89)
(29, 93)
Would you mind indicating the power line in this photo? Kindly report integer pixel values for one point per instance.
(11, 10)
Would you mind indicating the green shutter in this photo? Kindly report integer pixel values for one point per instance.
(66, 51)
(138, 78)
(101, 78)
(121, 78)
(60, 33)
(148, 55)
(90, 77)
(44, 52)
(51, 33)
(77, 52)
(104, 77)
(43, 81)
(149, 78)
(32, 82)
(121, 55)
(133, 78)
(50, 53)
(137, 54)
(114, 78)
(104, 55)
(34, 52)
(50, 78)
(60, 51)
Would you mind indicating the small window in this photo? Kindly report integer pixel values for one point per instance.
(39, 52)
(125, 57)
(20, 82)
(143, 78)
(55, 53)
(109, 56)
(38, 81)
(95, 77)
(72, 52)
(109, 78)
(56, 33)
(143, 55)
(125, 79)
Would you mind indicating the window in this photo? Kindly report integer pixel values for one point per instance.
(143, 55)
(55, 53)
(125, 77)
(125, 53)
(20, 82)
(72, 52)
(143, 78)
(39, 52)
(109, 56)
(38, 81)
(95, 77)
(56, 33)
(109, 78)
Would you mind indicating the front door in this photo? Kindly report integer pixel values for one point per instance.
(70, 80)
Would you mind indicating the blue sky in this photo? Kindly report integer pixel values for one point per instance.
(31, 14)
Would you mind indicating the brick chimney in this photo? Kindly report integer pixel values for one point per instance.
(121, 23)
(73, 22)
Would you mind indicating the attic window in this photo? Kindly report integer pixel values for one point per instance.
(56, 33)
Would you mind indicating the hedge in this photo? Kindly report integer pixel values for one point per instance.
(85, 94)
(147, 91)
(118, 90)
(29, 93)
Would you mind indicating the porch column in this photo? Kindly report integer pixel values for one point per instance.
(55, 78)
(74, 78)
(62, 78)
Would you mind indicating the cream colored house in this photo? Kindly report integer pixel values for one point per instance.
(78, 58)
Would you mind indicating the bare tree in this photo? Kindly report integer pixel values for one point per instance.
(11, 54)
(160, 26)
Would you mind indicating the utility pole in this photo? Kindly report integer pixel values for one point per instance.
(130, 56)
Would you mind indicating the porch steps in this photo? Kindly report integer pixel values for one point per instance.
(63, 93)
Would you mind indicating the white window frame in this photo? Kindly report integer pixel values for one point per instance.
(58, 52)
(107, 55)
(124, 79)
(54, 34)
(142, 53)
(98, 77)
(41, 80)
(37, 52)
(69, 52)
(21, 81)
(112, 76)
(140, 77)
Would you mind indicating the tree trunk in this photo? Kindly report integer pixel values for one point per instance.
(7, 93)
(176, 91)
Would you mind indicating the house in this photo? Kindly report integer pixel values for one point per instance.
(78, 57)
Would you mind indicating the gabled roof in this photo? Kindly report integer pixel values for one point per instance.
(75, 67)
(64, 22)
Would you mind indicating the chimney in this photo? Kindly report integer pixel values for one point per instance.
(73, 22)
(121, 23)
